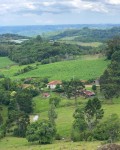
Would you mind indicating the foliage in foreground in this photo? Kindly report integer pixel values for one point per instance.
(109, 129)
(86, 120)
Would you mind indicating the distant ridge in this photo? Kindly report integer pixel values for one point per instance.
(33, 30)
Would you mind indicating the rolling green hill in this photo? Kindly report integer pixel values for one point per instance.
(84, 68)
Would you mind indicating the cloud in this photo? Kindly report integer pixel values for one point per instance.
(113, 2)
(39, 7)
(90, 5)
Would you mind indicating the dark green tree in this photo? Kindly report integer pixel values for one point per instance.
(94, 87)
(110, 80)
(2, 131)
(21, 125)
(24, 101)
(113, 45)
(79, 126)
(1, 120)
(52, 115)
(73, 88)
(55, 101)
(93, 112)
(86, 119)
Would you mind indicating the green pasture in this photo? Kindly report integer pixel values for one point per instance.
(64, 124)
(66, 109)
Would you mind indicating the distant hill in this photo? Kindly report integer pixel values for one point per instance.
(8, 37)
(39, 29)
(88, 34)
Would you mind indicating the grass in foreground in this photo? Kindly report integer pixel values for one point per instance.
(12, 143)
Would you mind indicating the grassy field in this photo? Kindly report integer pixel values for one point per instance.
(5, 62)
(84, 69)
(66, 110)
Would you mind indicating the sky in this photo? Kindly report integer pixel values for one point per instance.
(52, 12)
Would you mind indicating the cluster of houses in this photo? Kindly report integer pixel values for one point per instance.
(52, 85)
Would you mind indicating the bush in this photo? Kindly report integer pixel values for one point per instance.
(2, 76)
(81, 136)
(43, 132)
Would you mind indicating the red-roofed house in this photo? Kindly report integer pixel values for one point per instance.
(53, 84)
(88, 93)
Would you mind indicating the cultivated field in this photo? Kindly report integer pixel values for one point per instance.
(82, 68)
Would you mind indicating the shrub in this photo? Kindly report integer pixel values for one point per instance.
(109, 129)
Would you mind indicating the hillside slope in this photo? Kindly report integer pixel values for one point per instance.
(85, 68)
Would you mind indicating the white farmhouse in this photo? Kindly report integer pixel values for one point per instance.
(53, 84)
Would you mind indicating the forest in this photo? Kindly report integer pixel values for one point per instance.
(89, 35)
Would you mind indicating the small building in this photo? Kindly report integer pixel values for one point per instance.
(46, 95)
(88, 93)
(53, 84)
(35, 118)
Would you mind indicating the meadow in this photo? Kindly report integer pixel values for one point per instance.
(83, 68)
(66, 109)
